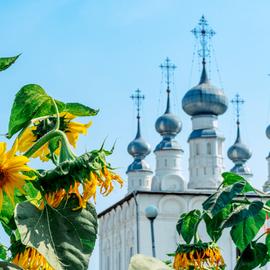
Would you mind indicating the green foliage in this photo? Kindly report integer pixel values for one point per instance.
(245, 231)
(187, 225)
(214, 224)
(32, 102)
(65, 232)
(9, 266)
(3, 252)
(65, 237)
(65, 174)
(6, 62)
(220, 199)
(232, 207)
(253, 256)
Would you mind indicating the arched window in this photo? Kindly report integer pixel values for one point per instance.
(165, 162)
(209, 149)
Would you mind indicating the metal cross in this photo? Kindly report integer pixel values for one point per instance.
(237, 101)
(169, 67)
(137, 97)
(203, 32)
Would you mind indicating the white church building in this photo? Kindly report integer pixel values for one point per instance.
(124, 229)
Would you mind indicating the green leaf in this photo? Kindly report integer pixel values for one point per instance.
(30, 102)
(230, 178)
(80, 109)
(6, 62)
(65, 237)
(33, 102)
(220, 199)
(3, 252)
(214, 224)
(7, 212)
(243, 212)
(243, 233)
(9, 266)
(188, 224)
(267, 242)
(253, 256)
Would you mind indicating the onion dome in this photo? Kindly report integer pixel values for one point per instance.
(168, 126)
(139, 149)
(204, 98)
(268, 132)
(239, 153)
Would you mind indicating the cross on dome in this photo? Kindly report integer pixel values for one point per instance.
(169, 68)
(138, 98)
(203, 32)
(237, 101)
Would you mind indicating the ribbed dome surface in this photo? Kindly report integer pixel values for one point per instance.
(204, 98)
(139, 147)
(168, 124)
(239, 152)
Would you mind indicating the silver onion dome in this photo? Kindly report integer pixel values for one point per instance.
(168, 124)
(268, 132)
(139, 148)
(239, 152)
(204, 98)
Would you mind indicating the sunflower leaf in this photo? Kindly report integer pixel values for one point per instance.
(253, 256)
(6, 62)
(243, 233)
(187, 225)
(79, 109)
(63, 236)
(9, 266)
(3, 252)
(30, 102)
(220, 199)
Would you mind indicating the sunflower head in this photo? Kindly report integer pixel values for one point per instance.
(11, 171)
(198, 256)
(39, 128)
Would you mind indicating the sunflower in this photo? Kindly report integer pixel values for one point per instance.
(41, 127)
(31, 259)
(103, 179)
(198, 256)
(11, 169)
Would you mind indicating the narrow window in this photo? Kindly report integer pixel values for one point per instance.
(174, 163)
(219, 148)
(197, 149)
(204, 171)
(197, 171)
(130, 252)
(209, 150)
(166, 162)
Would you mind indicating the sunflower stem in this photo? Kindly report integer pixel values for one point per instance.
(47, 137)
(66, 153)
(57, 124)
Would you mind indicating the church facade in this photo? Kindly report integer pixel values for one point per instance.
(124, 229)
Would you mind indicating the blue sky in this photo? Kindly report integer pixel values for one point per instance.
(99, 52)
